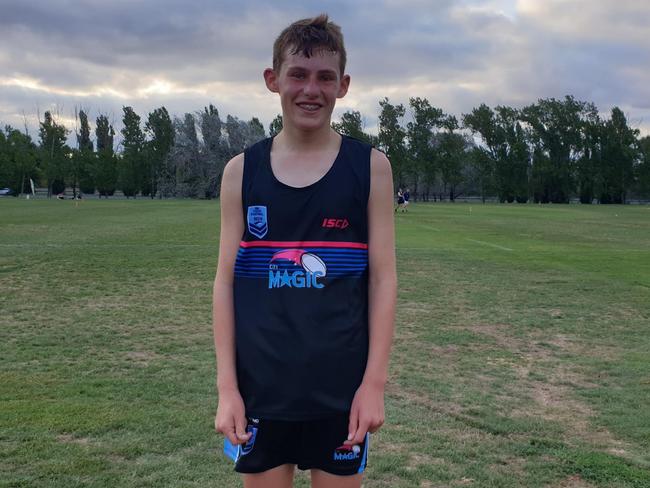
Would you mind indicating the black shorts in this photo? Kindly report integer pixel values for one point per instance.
(311, 444)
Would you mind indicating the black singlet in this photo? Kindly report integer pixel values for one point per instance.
(301, 287)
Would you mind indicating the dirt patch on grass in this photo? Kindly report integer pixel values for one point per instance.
(70, 439)
(406, 396)
(141, 358)
(574, 481)
(544, 374)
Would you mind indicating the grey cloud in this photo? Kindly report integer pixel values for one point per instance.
(457, 54)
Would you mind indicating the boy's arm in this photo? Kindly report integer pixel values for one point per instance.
(231, 417)
(367, 412)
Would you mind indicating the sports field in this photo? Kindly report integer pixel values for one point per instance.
(521, 359)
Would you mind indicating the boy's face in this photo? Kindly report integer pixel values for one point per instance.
(308, 88)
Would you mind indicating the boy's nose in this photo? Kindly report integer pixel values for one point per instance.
(311, 87)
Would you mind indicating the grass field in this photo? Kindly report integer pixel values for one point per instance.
(521, 356)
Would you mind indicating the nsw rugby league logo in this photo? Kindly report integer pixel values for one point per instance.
(257, 220)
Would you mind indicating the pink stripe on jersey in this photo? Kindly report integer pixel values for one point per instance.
(344, 245)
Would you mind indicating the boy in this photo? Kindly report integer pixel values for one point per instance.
(304, 295)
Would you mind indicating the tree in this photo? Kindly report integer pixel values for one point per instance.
(351, 124)
(254, 132)
(160, 129)
(643, 169)
(482, 173)
(275, 126)
(555, 134)
(451, 155)
(619, 154)
(481, 121)
(392, 136)
(588, 171)
(505, 150)
(182, 174)
(421, 161)
(83, 158)
(214, 152)
(6, 168)
(513, 163)
(18, 160)
(106, 174)
(236, 131)
(54, 153)
(131, 166)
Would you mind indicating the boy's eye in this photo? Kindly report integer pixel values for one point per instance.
(297, 75)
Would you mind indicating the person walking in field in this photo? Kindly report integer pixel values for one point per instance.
(305, 289)
(400, 200)
(407, 198)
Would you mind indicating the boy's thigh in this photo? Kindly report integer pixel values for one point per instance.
(321, 479)
(278, 477)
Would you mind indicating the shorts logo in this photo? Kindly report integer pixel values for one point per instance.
(346, 453)
(248, 447)
(257, 221)
(296, 268)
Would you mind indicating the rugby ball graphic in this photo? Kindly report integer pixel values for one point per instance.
(313, 264)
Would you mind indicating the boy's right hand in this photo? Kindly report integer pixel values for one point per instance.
(231, 418)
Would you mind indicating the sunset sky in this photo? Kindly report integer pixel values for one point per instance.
(97, 55)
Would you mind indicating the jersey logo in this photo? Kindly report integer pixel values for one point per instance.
(284, 271)
(257, 221)
(335, 223)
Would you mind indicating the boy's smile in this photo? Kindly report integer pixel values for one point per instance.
(308, 88)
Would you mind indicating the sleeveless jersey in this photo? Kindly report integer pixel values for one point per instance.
(301, 287)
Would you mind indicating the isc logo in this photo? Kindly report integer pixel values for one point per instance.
(336, 223)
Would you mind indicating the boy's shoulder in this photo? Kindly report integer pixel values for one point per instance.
(233, 170)
(379, 161)
(236, 163)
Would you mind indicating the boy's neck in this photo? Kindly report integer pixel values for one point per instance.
(297, 140)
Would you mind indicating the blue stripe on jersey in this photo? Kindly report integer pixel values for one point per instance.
(253, 262)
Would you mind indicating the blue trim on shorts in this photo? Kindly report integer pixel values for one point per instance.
(364, 460)
(230, 450)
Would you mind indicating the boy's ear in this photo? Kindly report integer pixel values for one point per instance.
(271, 80)
(343, 86)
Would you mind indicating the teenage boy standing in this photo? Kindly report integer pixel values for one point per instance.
(304, 295)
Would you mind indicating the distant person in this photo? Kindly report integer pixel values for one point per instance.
(400, 200)
(407, 197)
(304, 295)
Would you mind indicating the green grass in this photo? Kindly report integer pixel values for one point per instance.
(520, 358)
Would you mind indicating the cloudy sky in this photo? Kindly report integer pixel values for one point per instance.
(102, 55)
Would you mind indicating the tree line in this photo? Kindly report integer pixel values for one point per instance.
(158, 157)
(549, 151)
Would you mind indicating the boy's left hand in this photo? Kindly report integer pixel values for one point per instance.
(366, 414)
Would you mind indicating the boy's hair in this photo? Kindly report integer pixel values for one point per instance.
(308, 35)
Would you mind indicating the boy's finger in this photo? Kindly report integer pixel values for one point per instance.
(360, 434)
(240, 429)
(232, 437)
(353, 424)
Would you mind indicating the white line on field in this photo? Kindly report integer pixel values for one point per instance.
(489, 244)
